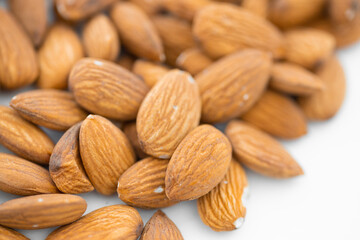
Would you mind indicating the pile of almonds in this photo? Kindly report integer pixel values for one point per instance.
(137, 125)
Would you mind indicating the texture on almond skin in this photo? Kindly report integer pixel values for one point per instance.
(7, 233)
(150, 72)
(193, 60)
(130, 131)
(185, 9)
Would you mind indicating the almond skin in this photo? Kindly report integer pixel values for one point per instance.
(259, 7)
(49, 108)
(149, 7)
(143, 184)
(130, 131)
(287, 119)
(105, 151)
(24, 138)
(193, 60)
(111, 222)
(32, 179)
(18, 63)
(223, 208)
(168, 113)
(231, 86)
(137, 31)
(160, 227)
(150, 72)
(65, 164)
(343, 12)
(260, 152)
(185, 9)
(126, 61)
(41, 211)
(199, 163)
(105, 88)
(7, 233)
(101, 39)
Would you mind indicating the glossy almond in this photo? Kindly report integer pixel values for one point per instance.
(111, 222)
(41, 211)
(231, 86)
(223, 208)
(287, 119)
(168, 113)
(21, 177)
(193, 60)
(53, 109)
(185, 9)
(105, 151)
(9, 234)
(258, 7)
(24, 138)
(130, 131)
(150, 72)
(160, 227)
(65, 164)
(105, 88)
(199, 163)
(260, 152)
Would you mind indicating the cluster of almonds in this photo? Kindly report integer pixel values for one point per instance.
(237, 65)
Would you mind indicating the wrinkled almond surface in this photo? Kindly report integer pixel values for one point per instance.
(7, 233)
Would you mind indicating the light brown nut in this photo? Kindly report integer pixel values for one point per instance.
(9, 234)
(326, 103)
(18, 63)
(66, 168)
(232, 85)
(149, 7)
(105, 88)
(61, 43)
(126, 61)
(168, 113)
(223, 29)
(137, 32)
(343, 11)
(223, 208)
(293, 79)
(193, 60)
(24, 138)
(258, 7)
(50, 108)
(199, 163)
(105, 151)
(185, 9)
(101, 39)
(143, 184)
(150, 72)
(21, 177)
(260, 152)
(130, 131)
(111, 222)
(41, 211)
(277, 115)
(160, 227)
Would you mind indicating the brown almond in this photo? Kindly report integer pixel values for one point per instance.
(41, 211)
(199, 163)
(344, 11)
(150, 72)
(126, 61)
(9, 234)
(193, 60)
(149, 7)
(131, 133)
(185, 9)
(24, 138)
(258, 7)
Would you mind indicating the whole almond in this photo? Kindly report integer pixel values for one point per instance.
(199, 163)
(259, 7)
(193, 60)
(111, 222)
(101, 39)
(160, 227)
(185, 9)
(105, 88)
(137, 32)
(168, 113)
(223, 208)
(24, 138)
(18, 63)
(260, 152)
(54, 109)
(150, 72)
(21, 177)
(105, 151)
(65, 164)
(7, 233)
(131, 133)
(231, 86)
(41, 211)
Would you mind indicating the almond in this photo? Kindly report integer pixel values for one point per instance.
(101, 39)
(111, 222)
(53, 109)
(149, 7)
(150, 72)
(193, 60)
(199, 163)
(223, 208)
(259, 7)
(231, 86)
(168, 113)
(41, 211)
(126, 61)
(105, 88)
(260, 152)
(137, 31)
(185, 9)
(105, 151)
(65, 164)
(32, 179)
(343, 12)
(160, 227)
(131, 133)
(287, 119)
(223, 29)
(18, 64)
(7, 233)
(62, 44)
(24, 138)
